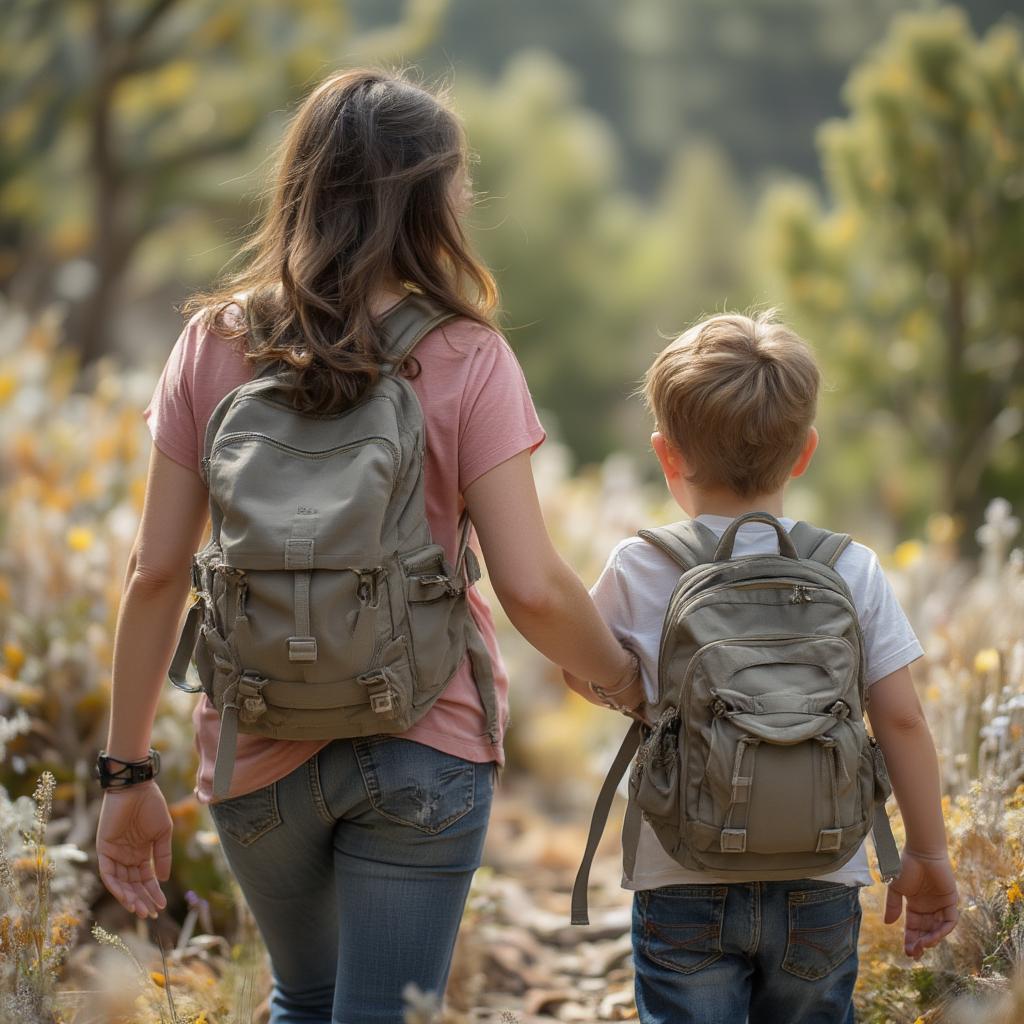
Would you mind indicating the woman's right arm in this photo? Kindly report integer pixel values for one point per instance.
(543, 598)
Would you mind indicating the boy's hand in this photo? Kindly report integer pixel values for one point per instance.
(929, 888)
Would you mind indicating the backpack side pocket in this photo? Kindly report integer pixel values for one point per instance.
(654, 781)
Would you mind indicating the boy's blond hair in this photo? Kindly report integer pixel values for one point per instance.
(736, 396)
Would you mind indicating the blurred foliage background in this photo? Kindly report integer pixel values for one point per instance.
(639, 165)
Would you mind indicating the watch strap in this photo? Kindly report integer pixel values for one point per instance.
(114, 773)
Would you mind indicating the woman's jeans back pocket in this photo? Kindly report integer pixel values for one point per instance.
(416, 785)
(247, 817)
(682, 926)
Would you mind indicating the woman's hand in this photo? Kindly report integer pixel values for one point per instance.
(133, 834)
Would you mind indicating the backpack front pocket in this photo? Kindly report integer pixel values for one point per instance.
(780, 767)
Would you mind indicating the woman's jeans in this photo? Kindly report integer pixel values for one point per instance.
(356, 867)
(763, 952)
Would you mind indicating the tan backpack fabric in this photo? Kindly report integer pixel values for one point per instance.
(759, 765)
(322, 607)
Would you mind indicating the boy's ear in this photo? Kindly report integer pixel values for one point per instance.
(672, 463)
(804, 459)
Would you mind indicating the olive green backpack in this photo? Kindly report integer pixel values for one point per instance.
(322, 607)
(758, 765)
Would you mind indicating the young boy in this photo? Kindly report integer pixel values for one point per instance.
(734, 402)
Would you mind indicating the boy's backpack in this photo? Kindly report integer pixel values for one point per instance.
(758, 765)
(322, 607)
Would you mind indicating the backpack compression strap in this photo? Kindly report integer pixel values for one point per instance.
(600, 818)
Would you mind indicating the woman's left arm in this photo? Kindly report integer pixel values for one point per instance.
(134, 827)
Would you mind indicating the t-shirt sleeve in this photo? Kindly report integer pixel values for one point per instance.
(612, 598)
(497, 417)
(611, 595)
(889, 639)
(170, 414)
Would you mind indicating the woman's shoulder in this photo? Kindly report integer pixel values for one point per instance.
(463, 336)
(216, 334)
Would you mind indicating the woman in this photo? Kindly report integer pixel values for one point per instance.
(357, 882)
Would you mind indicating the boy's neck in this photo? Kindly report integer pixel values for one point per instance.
(732, 505)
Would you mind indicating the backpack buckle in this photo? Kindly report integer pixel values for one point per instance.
(253, 705)
(444, 580)
(829, 840)
(380, 691)
(840, 709)
(383, 703)
(733, 840)
(302, 648)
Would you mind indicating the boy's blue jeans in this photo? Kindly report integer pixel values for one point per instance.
(356, 867)
(757, 952)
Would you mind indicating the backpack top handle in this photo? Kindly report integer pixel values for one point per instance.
(725, 545)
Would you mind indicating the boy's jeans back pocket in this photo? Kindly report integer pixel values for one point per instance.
(681, 926)
(824, 925)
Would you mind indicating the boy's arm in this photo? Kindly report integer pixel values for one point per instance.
(926, 881)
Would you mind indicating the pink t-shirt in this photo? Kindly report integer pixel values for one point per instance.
(478, 413)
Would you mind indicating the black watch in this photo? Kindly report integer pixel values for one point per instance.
(114, 773)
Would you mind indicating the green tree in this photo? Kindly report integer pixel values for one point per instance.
(566, 241)
(911, 280)
(124, 124)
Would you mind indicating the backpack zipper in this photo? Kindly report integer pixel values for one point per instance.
(323, 453)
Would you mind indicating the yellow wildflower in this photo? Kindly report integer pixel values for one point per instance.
(7, 385)
(986, 660)
(1014, 893)
(14, 657)
(86, 484)
(80, 538)
(908, 553)
(158, 978)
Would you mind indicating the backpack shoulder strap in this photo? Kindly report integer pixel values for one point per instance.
(406, 324)
(818, 544)
(688, 543)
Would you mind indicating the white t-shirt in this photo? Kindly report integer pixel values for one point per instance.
(632, 594)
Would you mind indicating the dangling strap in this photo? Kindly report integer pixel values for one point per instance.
(465, 561)
(819, 544)
(886, 850)
(688, 544)
(186, 646)
(483, 674)
(629, 747)
(224, 765)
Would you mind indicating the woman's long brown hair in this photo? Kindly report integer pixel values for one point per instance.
(366, 177)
